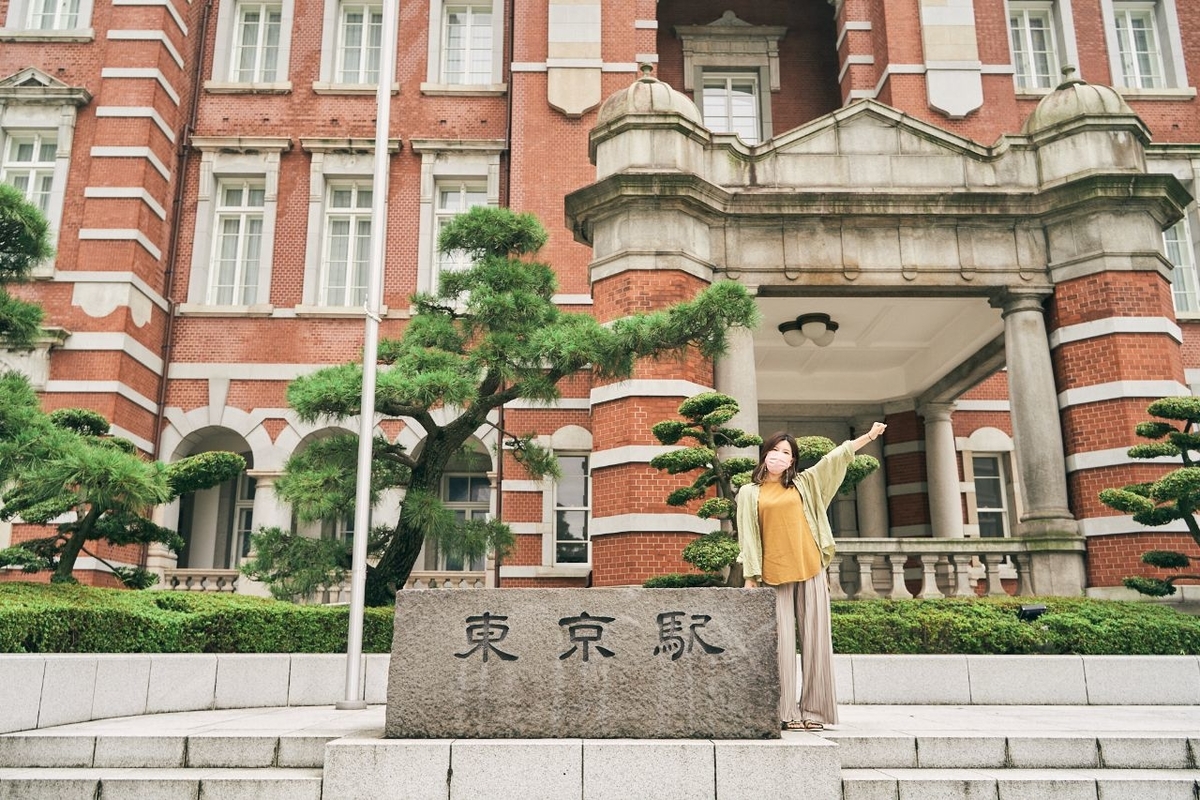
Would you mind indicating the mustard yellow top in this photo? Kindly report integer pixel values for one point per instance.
(789, 550)
(818, 485)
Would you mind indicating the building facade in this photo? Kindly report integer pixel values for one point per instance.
(972, 220)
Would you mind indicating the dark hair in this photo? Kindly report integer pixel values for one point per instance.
(760, 472)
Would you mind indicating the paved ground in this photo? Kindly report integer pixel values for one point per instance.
(856, 720)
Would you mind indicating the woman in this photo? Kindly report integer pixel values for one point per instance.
(786, 543)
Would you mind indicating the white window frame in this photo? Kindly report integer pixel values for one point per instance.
(1028, 10)
(233, 158)
(586, 509)
(1169, 45)
(18, 23)
(990, 442)
(35, 171)
(244, 489)
(444, 213)
(470, 509)
(726, 119)
(224, 77)
(328, 80)
(245, 213)
(443, 163)
(331, 161)
(358, 249)
(435, 80)
(1000, 460)
(33, 102)
(730, 45)
(1179, 247)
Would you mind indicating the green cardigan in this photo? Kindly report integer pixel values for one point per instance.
(818, 484)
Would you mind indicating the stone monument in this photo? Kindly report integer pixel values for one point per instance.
(584, 663)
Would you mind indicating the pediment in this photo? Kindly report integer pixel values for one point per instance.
(31, 85)
(871, 127)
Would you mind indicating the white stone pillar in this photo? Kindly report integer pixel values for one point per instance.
(269, 510)
(941, 467)
(871, 493)
(1037, 432)
(735, 375)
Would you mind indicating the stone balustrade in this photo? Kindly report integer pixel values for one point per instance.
(226, 580)
(200, 580)
(867, 568)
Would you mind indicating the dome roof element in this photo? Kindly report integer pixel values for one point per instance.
(648, 95)
(1074, 98)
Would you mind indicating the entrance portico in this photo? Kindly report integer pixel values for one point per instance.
(940, 260)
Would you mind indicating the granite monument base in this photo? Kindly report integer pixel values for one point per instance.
(584, 664)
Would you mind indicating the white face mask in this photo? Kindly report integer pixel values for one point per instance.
(776, 462)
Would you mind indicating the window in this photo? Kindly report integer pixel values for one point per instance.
(47, 21)
(360, 34)
(453, 200)
(990, 494)
(469, 497)
(730, 105)
(1177, 244)
(238, 245)
(345, 269)
(465, 43)
(572, 509)
(256, 54)
(243, 520)
(467, 53)
(53, 15)
(29, 165)
(456, 174)
(1145, 48)
(1032, 33)
(1137, 43)
(732, 67)
(234, 242)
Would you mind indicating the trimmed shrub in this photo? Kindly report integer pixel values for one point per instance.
(36, 618)
(64, 618)
(990, 626)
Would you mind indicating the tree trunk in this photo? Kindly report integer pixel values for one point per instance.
(70, 551)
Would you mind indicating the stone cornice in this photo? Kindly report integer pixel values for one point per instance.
(242, 144)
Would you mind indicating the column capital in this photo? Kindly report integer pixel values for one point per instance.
(936, 412)
(265, 475)
(1011, 301)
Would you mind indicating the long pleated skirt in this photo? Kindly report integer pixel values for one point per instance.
(808, 603)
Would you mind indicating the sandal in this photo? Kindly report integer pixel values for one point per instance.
(802, 725)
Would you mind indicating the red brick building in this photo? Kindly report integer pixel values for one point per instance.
(1010, 269)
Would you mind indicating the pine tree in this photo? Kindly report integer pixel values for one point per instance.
(1174, 496)
(489, 335)
(66, 466)
(24, 241)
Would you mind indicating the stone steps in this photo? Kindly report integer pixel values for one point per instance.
(1020, 784)
(1015, 767)
(128, 783)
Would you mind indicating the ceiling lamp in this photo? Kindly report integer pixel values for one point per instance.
(818, 328)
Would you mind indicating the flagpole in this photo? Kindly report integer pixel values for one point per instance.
(366, 427)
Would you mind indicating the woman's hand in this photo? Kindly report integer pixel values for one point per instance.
(877, 429)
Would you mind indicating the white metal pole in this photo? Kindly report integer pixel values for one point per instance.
(366, 428)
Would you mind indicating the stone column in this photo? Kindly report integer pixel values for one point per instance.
(735, 375)
(1037, 437)
(269, 511)
(1037, 434)
(941, 460)
(871, 494)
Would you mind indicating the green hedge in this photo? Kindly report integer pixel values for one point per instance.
(63, 618)
(986, 625)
